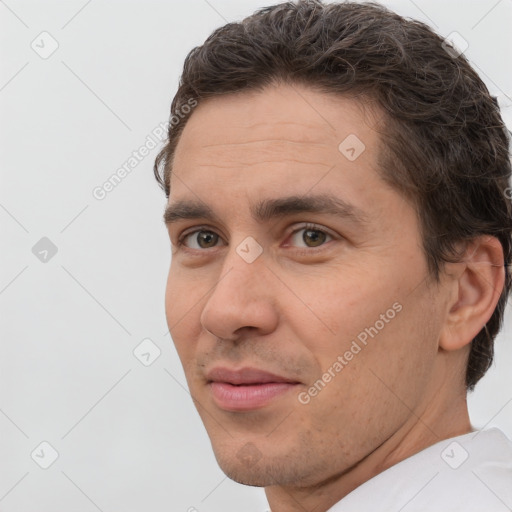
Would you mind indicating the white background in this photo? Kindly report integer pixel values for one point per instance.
(127, 435)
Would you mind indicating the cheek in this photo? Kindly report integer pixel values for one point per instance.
(172, 292)
(338, 305)
(172, 302)
(183, 302)
(362, 399)
(183, 293)
(381, 357)
(372, 322)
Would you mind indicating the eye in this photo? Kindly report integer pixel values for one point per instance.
(200, 239)
(310, 236)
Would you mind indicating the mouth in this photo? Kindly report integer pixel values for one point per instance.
(246, 389)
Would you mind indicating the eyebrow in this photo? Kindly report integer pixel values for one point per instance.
(271, 208)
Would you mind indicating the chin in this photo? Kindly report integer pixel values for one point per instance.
(246, 465)
(249, 467)
(243, 474)
(248, 477)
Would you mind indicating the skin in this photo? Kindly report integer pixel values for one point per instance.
(297, 307)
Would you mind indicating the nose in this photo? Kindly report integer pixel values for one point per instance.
(243, 301)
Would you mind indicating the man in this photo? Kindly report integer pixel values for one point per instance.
(341, 233)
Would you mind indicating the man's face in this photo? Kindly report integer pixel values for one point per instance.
(298, 260)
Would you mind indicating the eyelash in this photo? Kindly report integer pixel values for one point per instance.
(305, 227)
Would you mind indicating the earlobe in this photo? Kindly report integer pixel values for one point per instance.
(477, 285)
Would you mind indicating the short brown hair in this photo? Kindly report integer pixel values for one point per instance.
(445, 146)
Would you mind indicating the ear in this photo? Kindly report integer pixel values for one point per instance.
(476, 284)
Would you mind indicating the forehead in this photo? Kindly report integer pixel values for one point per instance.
(282, 135)
(283, 114)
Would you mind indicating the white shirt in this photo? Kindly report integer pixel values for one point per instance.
(468, 473)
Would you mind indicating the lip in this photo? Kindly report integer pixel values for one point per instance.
(244, 376)
(247, 388)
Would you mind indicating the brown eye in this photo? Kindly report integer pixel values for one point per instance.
(201, 239)
(313, 237)
(310, 237)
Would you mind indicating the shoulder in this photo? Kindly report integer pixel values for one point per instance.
(468, 473)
